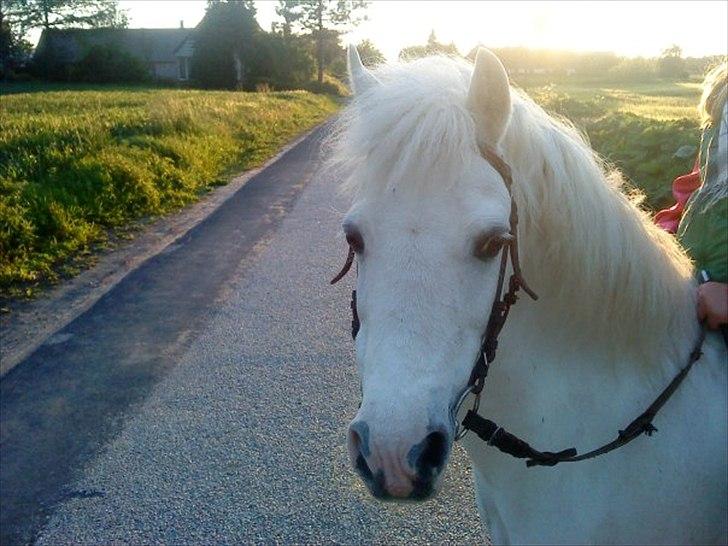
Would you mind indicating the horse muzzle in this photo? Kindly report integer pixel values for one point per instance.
(394, 469)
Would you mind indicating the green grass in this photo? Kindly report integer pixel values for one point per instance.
(78, 166)
(636, 127)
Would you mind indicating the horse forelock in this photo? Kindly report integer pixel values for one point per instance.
(413, 130)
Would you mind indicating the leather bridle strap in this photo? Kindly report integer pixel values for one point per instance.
(340, 275)
(511, 444)
(497, 436)
(502, 302)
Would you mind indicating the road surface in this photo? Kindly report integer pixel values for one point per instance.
(205, 398)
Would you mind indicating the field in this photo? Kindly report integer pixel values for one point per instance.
(637, 128)
(80, 166)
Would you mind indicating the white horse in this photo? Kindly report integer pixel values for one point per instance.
(614, 323)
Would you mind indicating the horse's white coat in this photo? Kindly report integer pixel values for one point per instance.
(614, 322)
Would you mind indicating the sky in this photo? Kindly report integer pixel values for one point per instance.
(636, 28)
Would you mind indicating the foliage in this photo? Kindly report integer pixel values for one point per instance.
(286, 61)
(671, 64)
(28, 14)
(330, 86)
(226, 41)
(107, 64)
(278, 60)
(370, 55)
(76, 164)
(333, 54)
(645, 150)
(19, 16)
(14, 49)
(433, 47)
(286, 9)
(323, 20)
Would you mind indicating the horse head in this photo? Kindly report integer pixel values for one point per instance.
(429, 219)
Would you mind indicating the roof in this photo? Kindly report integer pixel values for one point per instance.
(153, 45)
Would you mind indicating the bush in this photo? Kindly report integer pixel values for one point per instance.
(330, 86)
(106, 64)
(645, 150)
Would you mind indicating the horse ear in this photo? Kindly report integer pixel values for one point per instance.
(489, 98)
(360, 78)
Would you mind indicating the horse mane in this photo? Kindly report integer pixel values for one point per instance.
(579, 227)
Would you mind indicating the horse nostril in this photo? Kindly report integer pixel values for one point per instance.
(359, 448)
(354, 441)
(433, 452)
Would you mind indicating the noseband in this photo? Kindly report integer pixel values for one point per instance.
(486, 429)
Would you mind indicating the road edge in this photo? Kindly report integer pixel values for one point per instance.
(36, 321)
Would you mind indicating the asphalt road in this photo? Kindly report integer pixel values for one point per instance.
(205, 398)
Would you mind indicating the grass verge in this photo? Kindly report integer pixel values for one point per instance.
(78, 167)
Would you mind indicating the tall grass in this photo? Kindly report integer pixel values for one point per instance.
(76, 164)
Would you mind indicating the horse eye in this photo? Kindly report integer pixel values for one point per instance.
(489, 246)
(355, 240)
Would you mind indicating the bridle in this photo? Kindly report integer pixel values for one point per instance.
(486, 429)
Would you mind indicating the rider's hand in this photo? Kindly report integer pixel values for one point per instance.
(713, 304)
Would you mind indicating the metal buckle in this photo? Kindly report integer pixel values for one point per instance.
(460, 430)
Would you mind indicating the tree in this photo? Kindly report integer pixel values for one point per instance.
(370, 55)
(286, 10)
(671, 64)
(226, 46)
(249, 5)
(30, 14)
(14, 48)
(287, 61)
(322, 19)
(433, 47)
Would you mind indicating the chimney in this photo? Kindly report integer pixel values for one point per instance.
(181, 23)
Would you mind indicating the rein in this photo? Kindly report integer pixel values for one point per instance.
(487, 430)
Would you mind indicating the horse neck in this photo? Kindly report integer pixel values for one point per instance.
(599, 263)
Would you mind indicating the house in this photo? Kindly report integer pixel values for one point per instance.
(165, 51)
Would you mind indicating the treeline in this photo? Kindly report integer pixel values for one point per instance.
(669, 65)
(594, 65)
